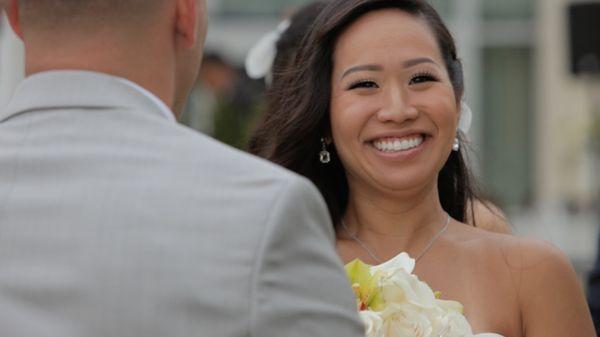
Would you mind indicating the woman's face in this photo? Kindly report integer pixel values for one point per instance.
(393, 108)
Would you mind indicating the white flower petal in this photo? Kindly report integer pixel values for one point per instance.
(259, 60)
(401, 261)
(466, 118)
(373, 323)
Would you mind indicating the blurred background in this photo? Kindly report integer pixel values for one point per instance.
(533, 82)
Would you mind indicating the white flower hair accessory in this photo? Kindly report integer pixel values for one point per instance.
(260, 58)
(466, 118)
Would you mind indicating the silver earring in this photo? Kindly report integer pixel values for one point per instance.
(324, 155)
(456, 144)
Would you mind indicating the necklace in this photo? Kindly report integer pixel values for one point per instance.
(364, 246)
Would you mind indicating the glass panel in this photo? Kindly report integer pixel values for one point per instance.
(257, 7)
(508, 9)
(270, 7)
(444, 7)
(508, 131)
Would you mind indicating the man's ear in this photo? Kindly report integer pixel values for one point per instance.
(12, 12)
(186, 22)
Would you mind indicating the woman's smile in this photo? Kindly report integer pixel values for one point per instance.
(398, 148)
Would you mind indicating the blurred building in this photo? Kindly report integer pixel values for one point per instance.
(531, 114)
(531, 134)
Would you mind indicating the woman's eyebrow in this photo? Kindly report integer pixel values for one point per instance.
(363, 67)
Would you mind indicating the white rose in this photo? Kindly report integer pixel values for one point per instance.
(449, 320)
(401, 320)
(402, 287)
(373, 323)
(456, 325)
(447, 305)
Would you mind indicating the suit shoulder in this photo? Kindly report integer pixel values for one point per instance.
(226, 160)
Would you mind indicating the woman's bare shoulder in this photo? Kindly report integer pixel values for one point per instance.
(550, 294)
(548, 297)
(518, 253)
(530, 255)
(487, 216)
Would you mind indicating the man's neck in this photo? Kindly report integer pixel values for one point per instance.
(154, 71)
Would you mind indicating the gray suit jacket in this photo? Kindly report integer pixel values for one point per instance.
(115, 221)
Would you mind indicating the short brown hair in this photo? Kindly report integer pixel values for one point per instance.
(56, 14)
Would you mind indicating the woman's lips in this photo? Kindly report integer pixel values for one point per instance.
(398, 144)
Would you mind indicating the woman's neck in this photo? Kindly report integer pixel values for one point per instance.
(393, 222)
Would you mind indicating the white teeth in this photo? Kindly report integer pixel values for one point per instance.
(397, 145)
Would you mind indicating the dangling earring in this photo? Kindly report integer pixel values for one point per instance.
(324, 155)
(456, 144)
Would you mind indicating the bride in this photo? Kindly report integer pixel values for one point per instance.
(370, 115)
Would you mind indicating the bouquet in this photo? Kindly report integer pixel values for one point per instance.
(392, 302)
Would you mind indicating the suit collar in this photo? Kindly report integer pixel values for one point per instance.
(66, 89)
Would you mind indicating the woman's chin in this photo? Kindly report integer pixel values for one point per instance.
(400, 183)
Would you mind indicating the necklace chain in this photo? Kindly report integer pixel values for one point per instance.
(364, 246)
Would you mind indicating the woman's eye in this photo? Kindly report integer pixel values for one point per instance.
(364, 84)
(422, 78)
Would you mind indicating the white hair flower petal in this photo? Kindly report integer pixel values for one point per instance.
(260, 58)
(466, 118)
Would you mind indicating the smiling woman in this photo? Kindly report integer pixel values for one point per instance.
(297, 116)
(376, 90)
(393, 110)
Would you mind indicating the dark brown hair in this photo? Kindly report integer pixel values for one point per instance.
(290, 41)
(297, 114)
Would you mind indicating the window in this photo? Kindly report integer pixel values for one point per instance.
(256, 7)
(507, 152)
(444, 7)
(508, 9)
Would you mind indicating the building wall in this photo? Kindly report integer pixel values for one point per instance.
(564, 110)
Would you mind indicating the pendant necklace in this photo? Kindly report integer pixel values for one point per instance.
(376, 258)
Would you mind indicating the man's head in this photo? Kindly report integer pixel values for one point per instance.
(155, 43)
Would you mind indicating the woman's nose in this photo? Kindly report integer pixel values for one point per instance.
(397, 107)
